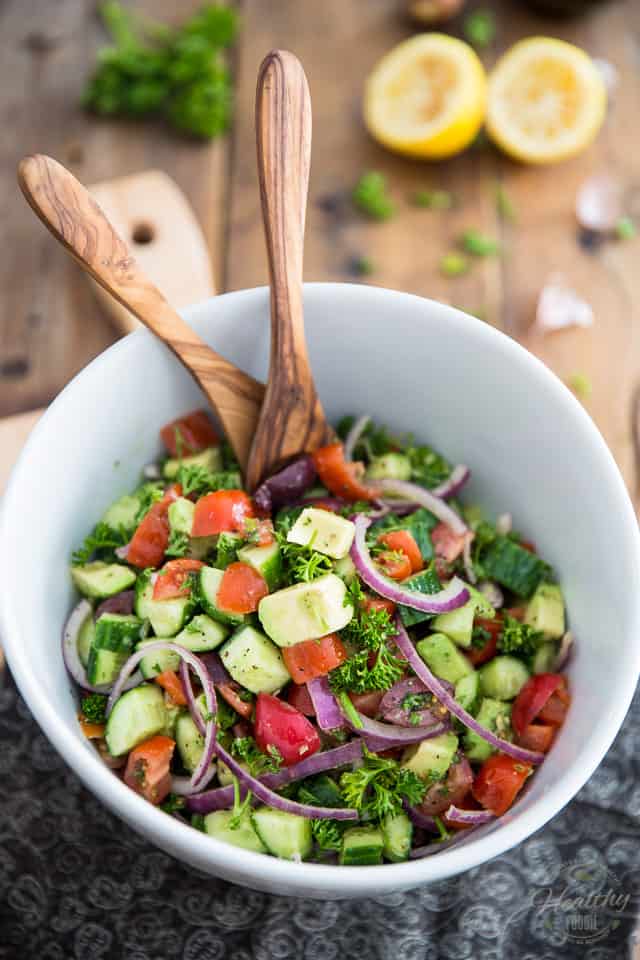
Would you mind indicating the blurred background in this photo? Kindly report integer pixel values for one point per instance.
(50, 322)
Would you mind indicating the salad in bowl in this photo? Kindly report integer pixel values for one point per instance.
(353, 665)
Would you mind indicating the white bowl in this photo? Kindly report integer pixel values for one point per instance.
(418, 366)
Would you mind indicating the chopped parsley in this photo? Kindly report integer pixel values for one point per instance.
(147, 495)
(369, 631)
(428, 467)
(195, 478)
(178, 544)
(173, 804)
(100, 544)
(302, 563)
(247, 750)
(519, 639)
(93, 708)
(328, 833)
(378, 788)
(370, 196)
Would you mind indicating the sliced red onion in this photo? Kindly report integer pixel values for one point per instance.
(222, 797)
(453, 596)
(122, 552)
(393, 711)
(72, 661)
(471, 818)
(217, 670)
(401, 507)
(504, 523)
(427, 499)
(352, 438)
(492, 592)
(328, 713)
(454, 483)
(467, 562)
(390, 735)
(286, 486)
(564, 653)
(266, 795)
(120, 603)
(187, 686)
(420, 819)
(421, 670)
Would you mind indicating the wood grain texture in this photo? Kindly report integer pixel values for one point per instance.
(72, 215)
(292, 420)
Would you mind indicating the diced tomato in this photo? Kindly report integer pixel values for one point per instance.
(532, 698)
(172, 684)
(341, 477)
(172, 579)
(147, 769)
(379, 603)
(314, 658)
(396, 566)
(221, 512)
(447, 544)
(280, 725)
(480, 654)
(537, 736)
(189, 434)
(300, 699)
(367, 703)
(151, 539)
(451, 790)
(555, 709)
(231, 693)
(402, 541)
(241, 589)
(92, 731)
(263, 535)
(499, 781)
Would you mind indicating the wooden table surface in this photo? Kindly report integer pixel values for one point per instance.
(50, 325)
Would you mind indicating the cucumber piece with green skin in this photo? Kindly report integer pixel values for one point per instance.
(326, 532)
(137, 715)
(202, 634)
(345, 569)
(545, 611)
(443, 657)
(201, 547)
(189, 741)
(544, 659)
(430, 759)
(208, 582)
(394, 466)
(210, 459)
(167, 617)
(467, 692)
(320, 791)
(219, 825)
(285, 835)
(267, 561)
(427, 581)
(254, 661)
(85, 638)
(512, 566)
(494, 715)
(397, 834)
(173, 711)
(458, 624)
(180, 515)
(122, 513)
(305, 611)
(503, 678)
(114, 638)
(361, 846)
(156, 663)
(102, 580)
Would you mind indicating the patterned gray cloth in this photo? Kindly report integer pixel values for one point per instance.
(76, 883)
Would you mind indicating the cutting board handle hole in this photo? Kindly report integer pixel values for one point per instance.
(143, 233)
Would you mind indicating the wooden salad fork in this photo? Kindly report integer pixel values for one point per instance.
(292, 420)
(69, 211)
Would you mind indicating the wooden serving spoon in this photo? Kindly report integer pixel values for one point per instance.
(69, 211)
(292, 420)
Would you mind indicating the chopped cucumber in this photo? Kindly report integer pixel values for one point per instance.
(345, 569)
(254, 661)
(267, 561)
(181, 515)
(114, 638)
(494, 715)
(285, 835)
(458, 624)
(201, 547)
(210, 459)
(503, 678)
(426, 581)
(320, 791)
(85, 638)
(219, 825)
(122, 513)
(397, 833)
(167, 617)
(361, 846)
(545, 611)
(137, 715)
(430, 759)
(394, 466)
(443, 657)
(305, 611)
(172, 711)
(544, 659)
(202, 634)
(513, 566)
(156, 663)
(102, 580)
(189, 741)
(208, 583)
(326, 532)
(467, 692)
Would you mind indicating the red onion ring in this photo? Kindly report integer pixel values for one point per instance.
(70, 651)
(472, 818)
(420, 819)
(454, 483)
(391, 735)
(353, 436)
(328, 713)
(425, 498)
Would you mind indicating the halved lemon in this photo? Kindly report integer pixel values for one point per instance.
(426, 97)
(547, 100)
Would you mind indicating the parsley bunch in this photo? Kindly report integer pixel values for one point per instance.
(519, 639)
(378, 787)
(302, 564)
(93, 708)
(100, 544)
(370, 631)
(151, 70)
(247, 750)
(194, 478)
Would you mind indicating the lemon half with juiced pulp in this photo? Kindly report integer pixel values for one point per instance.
(547, 100)
(426, 97)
